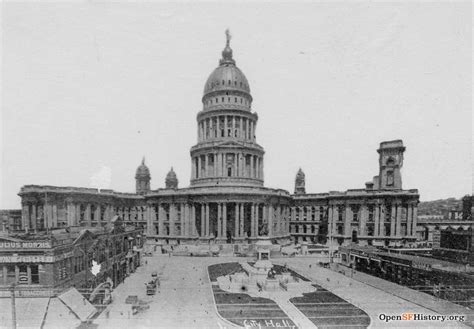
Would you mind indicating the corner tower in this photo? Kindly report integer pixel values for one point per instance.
(142, 178)
(390, 164)
(300, 182)
(227, 152)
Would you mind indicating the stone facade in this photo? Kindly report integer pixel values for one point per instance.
(381, 214)
(226, 201)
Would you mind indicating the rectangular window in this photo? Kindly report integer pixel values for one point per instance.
(11, 277)
(340, 213)
(371, 213)
(34, 274)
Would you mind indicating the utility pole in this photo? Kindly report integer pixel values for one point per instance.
(12, 290)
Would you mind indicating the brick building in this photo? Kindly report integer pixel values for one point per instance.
(57, 259)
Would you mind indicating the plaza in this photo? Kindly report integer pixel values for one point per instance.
(184, 298)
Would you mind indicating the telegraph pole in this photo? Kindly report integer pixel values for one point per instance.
(12, 290)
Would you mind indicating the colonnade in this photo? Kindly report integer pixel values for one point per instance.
(52, 214)
(216, 219)
(227, 164)
(376, 216)
(234, 126)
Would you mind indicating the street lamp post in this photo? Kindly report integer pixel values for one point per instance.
(12, 290)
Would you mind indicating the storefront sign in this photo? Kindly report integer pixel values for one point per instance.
(421, 266)
(25, 245)
(27, 259)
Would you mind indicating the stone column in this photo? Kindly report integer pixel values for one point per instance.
(205, 165)
(247, 129)
(257, 218)
(309, 213)
(234, 173)
(415, 219)
(335, 217)
(270, 220)
(347, 221)
(199, 173)
(330, 225)
(203, 220)
(252, 220)
(207, 220)
(55, 215)
(236, 221)
(279, 220)
(225, 126)
(233, 126)
(317, 213)
(251, 172)
(393, 218)
(149, 221)
(363, 220)
(25, 216)
(96, 214)
(219, 220)
(224, 219)
(376, 219)
(257, 161)
(399, 220)
(216, 162)
(193, 220)
(241, 130)
(241, 221)
(172, 219)
(193, 168)
(161, 219)
(409, 219)
(205, 129)
(181, 219)
(185, 227)
(87, 214)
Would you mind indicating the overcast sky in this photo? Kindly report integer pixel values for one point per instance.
(89, 88)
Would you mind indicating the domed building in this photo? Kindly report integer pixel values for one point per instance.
(226, 200)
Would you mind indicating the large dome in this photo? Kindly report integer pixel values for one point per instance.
(227, 76)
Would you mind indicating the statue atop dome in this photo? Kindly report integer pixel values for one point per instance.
(227, 52)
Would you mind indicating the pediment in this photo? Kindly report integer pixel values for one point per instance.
(85, 236)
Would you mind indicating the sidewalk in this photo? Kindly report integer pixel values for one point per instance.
(428, 301)
(372, 300)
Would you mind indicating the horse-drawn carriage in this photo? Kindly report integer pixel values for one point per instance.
(152, 284)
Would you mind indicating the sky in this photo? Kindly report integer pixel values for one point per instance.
(89, 88)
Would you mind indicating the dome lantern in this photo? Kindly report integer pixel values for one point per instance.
(171, 180)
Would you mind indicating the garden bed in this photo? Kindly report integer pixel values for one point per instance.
(242, 309)
(327, 310)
